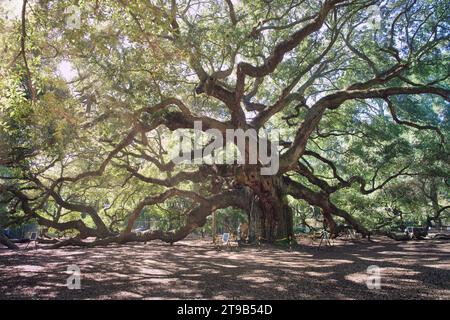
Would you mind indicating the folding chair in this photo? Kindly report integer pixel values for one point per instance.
(33, 237)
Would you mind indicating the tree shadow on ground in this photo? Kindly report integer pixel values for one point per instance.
(189, 270)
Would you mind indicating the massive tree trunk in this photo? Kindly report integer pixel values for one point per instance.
(270, 217)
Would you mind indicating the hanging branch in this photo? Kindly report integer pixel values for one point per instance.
(23, 53)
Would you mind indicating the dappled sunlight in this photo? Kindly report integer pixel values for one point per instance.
(29, 268)
(359, 277)
(443, 266)
(217, 149)
(199, 272)
(124, 295)
(326, 275)
(255, 278)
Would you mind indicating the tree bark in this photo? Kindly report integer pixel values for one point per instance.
(271, 220)
(270, 217)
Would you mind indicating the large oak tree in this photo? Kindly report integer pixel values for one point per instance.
(90, 91)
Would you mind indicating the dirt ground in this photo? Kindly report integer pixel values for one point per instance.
(193, 269)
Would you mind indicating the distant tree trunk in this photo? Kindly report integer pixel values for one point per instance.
(213, 227)
(435, 203)
(6, 242)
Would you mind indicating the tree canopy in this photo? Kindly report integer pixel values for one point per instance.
(91, 90)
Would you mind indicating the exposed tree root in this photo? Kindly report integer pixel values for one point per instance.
(6, 242)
